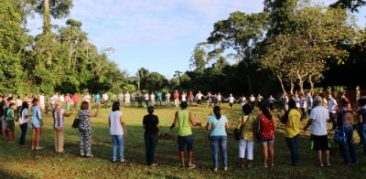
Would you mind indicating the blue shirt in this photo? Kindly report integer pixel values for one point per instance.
(97, 98)
(36, 114)
(217, 126)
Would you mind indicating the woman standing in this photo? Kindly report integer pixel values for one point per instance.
(292, 131)
(267, 135)
(58, 115)
(217, 125)
(344, 123)
(246, 143)
(151, 137)
(23, 122)
(85, 130)
(117, 130)
(36, 123)
(9, 118)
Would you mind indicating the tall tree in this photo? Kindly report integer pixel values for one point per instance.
(352, 5)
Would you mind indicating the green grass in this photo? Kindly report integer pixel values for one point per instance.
(16, 162)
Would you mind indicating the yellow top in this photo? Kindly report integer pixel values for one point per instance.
(247, 129)
(292, 127)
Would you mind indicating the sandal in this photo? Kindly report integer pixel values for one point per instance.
(192, 166)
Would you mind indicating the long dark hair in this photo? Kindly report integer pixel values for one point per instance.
(217, 112)
(24, 106)
(266, 111)
(116, 106)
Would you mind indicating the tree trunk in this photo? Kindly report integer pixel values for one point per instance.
(46, 17)
(301, 83)
(282, 85)
(311, 84)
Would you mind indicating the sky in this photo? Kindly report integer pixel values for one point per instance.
(159, 35)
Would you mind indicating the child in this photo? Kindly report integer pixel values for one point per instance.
(118, 130)
(58, 115)
(10, 126)
(246, 145)
(151, 127)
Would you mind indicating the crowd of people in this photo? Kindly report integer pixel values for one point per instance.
(253, 127)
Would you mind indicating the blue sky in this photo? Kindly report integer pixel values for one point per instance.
(159, 35)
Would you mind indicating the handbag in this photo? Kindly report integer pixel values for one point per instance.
(340, 134)
(237, 134)
(76, 122)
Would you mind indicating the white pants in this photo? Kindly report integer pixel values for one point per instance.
(246, 147)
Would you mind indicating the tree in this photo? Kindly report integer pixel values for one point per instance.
(352, 5)
(304, 54)
(198, 59)
(13, 43)
(242, 33)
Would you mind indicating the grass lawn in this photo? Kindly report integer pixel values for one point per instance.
(16, 162)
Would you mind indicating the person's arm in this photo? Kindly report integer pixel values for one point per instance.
(208, 126)
(308, 124)
(123, 126)
(144, 122)
(95, 114)
(174, 121)
(192, 119)
(109, 122)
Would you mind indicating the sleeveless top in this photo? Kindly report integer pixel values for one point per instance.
(184, 127)
(116, 126)
(266, 127)
(58, 118)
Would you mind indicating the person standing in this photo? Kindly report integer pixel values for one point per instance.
(147, 99)
(184, 119)
(151, 126)
(58, 115)
(318, 122)
(37, 124)
(85, 130)
(42, 104)
(127, 99)
(231, 100)
(176, 99)
(267, 134)
(309, 102)
(361, 126)
(10, 118)
(97, 100)
(199, 96)
(167, 99)
(246, 143)
(292, 123)
(105, 99)
(252, 100)
(75, 100)
(217, 125)
(118, 131)
(152, 99)
(23, 123)
(2, 115)
(190, 98)
(68, 102)
(345, 124)
(159, 96)
(332, 108)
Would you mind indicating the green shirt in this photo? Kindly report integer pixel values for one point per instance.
(9, 114)
(184, 128)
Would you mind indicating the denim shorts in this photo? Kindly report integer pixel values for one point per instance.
(35, 124)
(185, 142)
(267, 141)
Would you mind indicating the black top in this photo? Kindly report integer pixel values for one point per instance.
(151, 124)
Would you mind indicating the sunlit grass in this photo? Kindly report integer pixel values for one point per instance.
(19, 162)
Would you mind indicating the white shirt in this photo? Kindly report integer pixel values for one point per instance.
(332, 104)
(105, 96)
(58, 118)
(19, 102)
(319, 116)
(167, 96)
(231, 99)
(23, 119)
(199, 96)
(41, 99)
(252, 99)
(184, 97)
(116, 126)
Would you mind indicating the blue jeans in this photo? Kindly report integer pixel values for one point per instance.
(361, 128)
(117, 140)
(348, 149)
(293, 146)
(150, 142)
(219, 142)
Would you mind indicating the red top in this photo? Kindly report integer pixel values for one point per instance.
(75, 98)
(267, 128)
(176, 95)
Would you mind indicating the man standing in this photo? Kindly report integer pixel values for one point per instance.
(184, 119)
(318, 121)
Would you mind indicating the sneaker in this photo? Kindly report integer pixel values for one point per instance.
(39, 148)
(225, 169)
(215, 169)
(89, 156)
(123, 161)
